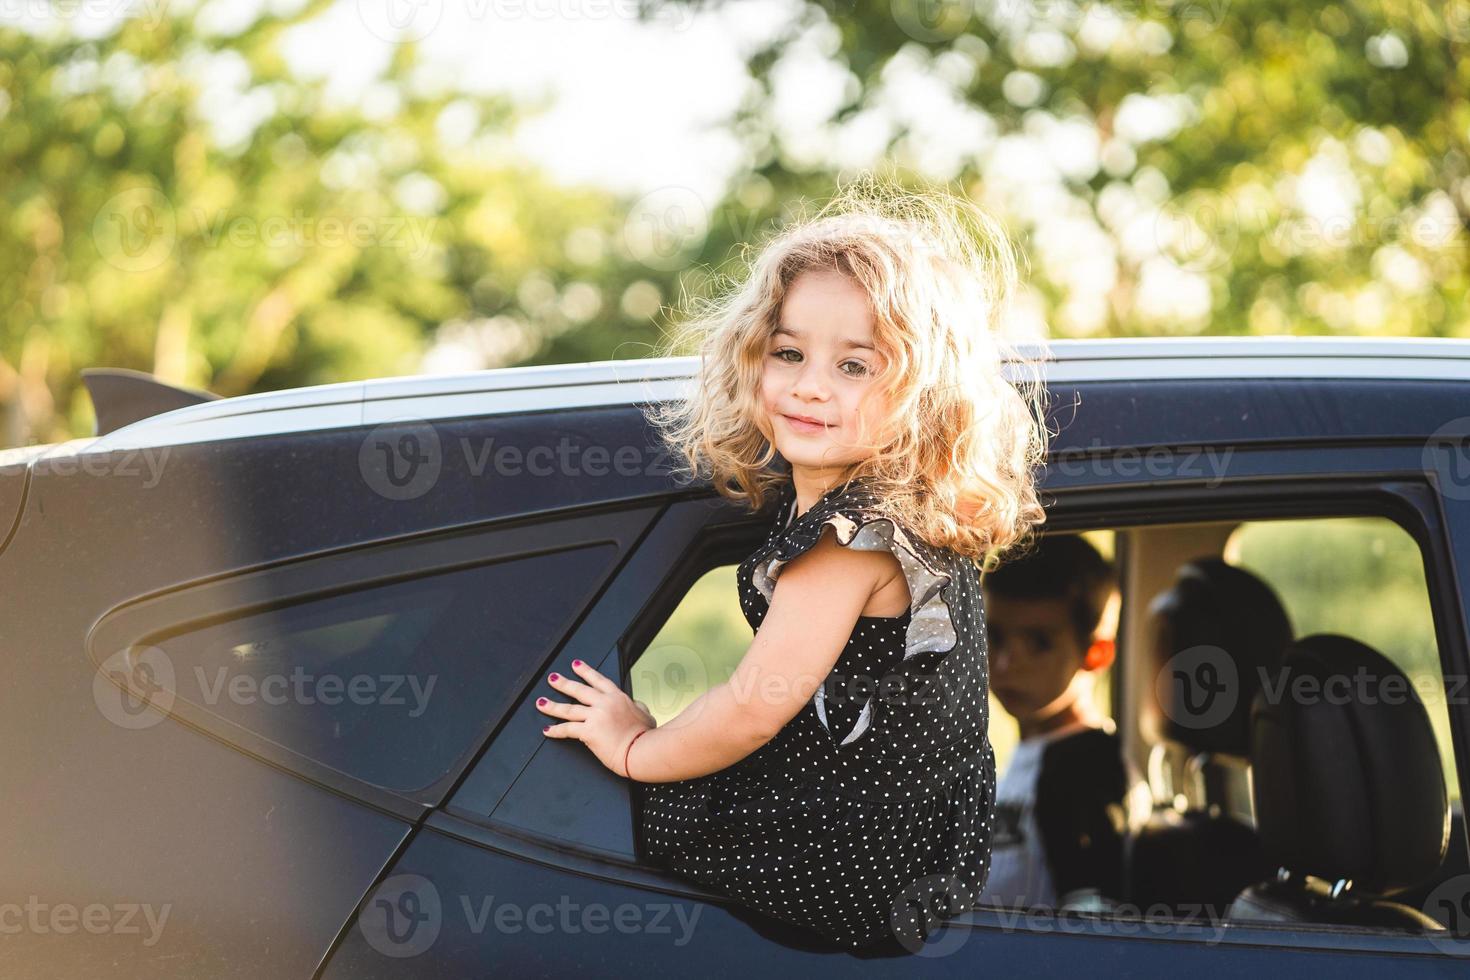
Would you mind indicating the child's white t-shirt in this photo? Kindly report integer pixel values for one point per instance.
(1019, 876)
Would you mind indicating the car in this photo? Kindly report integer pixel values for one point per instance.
(274, 658)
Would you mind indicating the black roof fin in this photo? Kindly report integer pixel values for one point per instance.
(121, 396)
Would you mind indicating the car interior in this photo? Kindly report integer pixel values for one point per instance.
(1337, 809)
(1340, 808)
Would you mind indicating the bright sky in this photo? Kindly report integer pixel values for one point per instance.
(632, 106)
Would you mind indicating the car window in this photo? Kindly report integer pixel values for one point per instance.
(699, 646)
(1362, 577)
(389, 684)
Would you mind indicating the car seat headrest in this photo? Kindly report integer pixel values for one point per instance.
(1213, 612)
(1345, 770)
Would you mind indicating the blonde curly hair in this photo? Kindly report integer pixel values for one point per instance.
(939, 273)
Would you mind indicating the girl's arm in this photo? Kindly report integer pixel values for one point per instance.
(816, 603)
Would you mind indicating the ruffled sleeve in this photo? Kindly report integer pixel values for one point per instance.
(931, 628)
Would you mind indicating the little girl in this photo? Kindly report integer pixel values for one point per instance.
(842, 779)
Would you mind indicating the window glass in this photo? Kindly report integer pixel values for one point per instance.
(1362, 577)
(390, 684)
(700, 646)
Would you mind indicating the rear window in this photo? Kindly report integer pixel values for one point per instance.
(390, 684)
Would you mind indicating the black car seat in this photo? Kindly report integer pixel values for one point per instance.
(1194, 859)
(1350, 794)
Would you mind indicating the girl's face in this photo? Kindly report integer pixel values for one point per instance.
(820, 363)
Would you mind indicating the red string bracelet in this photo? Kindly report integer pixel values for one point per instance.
(635, 738)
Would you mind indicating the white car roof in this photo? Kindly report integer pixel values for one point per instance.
(559, 386)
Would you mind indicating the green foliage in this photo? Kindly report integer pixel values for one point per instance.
(1279, 108)
(325, 244)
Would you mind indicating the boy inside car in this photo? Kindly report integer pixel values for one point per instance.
(1067, 799)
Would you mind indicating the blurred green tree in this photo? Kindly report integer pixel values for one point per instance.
(320, 244)
(1169, 166)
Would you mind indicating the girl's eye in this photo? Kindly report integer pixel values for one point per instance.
(861, 369)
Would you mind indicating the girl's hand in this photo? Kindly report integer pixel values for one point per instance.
(605, 720)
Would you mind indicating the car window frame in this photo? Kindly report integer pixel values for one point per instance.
(246, 592)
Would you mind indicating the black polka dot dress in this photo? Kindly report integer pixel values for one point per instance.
(868, 817)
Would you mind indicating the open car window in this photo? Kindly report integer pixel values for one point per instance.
(1359, 577)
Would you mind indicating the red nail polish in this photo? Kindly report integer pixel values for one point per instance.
(576, 663)
(553, 677)
(540, 701)
(545, 728)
